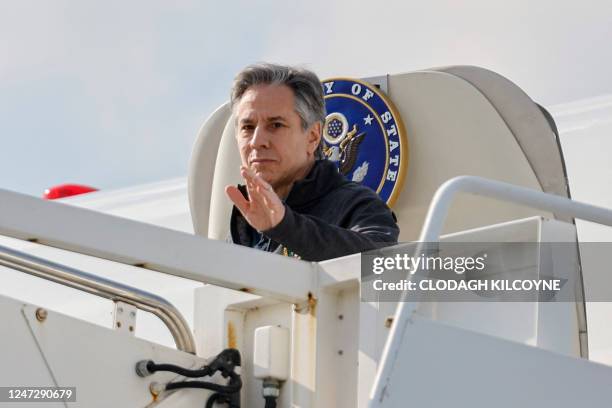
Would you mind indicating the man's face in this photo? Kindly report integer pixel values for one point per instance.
(270, 135)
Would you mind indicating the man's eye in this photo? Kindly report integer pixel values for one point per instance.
(247, 127)
(277, 125)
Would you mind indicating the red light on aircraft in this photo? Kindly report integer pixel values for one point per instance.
(66, 190)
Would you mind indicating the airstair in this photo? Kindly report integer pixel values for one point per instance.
(485, 168)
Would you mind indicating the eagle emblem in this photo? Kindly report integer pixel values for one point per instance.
(344, 151)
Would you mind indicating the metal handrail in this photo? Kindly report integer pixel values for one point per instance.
(105, 288)
(441, 202)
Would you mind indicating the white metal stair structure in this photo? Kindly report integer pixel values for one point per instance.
(67, 352)
(443, 366)
(345, 353)
(45, 348)
(320, 375)
(133, 243)
(459, 120)
(508, 375)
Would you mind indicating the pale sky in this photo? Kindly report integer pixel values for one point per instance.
(112, 93)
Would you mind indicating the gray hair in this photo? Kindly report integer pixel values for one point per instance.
(306, 86)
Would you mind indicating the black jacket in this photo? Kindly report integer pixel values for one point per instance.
(326, 216)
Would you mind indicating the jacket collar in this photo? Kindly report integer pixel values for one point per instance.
(322, 178)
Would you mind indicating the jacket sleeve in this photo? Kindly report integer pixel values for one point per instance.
(370, 225)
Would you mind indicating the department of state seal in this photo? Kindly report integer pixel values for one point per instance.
(364, 135)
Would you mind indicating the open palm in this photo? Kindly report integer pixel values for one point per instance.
(264, 209)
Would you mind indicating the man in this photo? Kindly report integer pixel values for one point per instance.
(294, 202)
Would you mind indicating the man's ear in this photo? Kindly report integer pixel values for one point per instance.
(314, 137)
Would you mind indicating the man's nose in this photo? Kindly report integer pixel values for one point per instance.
(261, 138)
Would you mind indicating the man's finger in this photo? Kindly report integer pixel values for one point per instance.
(258, 180)
(248, 178)
(263, 183)
(248, 181)
(257, 198)
(266, 190)
(237, 198)
(254, 194)
(266, 200)
(269, 196)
